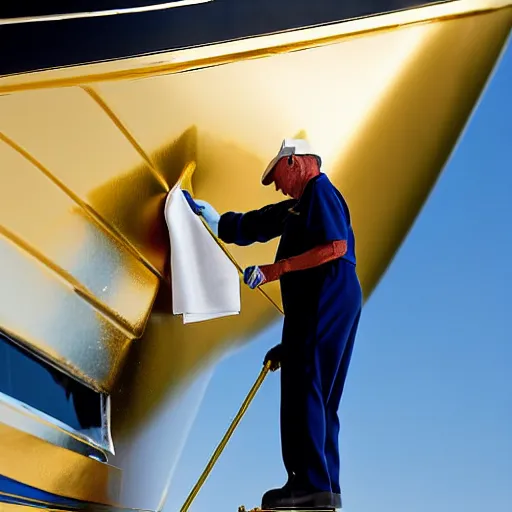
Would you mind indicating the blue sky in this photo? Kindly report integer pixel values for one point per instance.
(427, 411)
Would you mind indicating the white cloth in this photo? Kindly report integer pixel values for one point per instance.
(205, 283)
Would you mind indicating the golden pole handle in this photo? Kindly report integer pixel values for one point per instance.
(227, 436)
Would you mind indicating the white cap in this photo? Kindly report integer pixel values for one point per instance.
(289, 147)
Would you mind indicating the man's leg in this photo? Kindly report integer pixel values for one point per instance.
(303, 421)
(302, 431)
(332, 453)
(289, 417)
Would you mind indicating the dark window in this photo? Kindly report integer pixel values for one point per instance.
(37, 384)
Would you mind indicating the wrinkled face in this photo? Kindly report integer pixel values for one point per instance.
(291, 174)
(282, 176)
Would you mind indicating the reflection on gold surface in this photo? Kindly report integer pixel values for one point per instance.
(85, 171)
(44, 313)
(35, 462)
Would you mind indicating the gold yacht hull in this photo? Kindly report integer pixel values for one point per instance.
(88, 154)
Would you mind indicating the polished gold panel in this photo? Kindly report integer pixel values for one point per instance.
(56, 230)
(80, 225)
(28, 420)
(42, 313)
(35, 462)
(13, 507)
(89, 157)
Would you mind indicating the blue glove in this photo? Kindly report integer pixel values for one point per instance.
(206, 210)
(253, 277)
(195, 207)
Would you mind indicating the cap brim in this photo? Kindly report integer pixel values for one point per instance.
(267, 179)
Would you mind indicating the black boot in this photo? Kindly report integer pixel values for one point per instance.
(287, 497)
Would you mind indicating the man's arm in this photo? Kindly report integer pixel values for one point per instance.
(244, 228)
(312, 258)
(254, 226)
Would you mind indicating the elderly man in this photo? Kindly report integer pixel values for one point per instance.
(322, 299)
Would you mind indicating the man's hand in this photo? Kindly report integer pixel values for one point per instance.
(205, 210)
(274, 355)
(254, 277)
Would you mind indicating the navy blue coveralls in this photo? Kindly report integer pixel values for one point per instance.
(322, 306)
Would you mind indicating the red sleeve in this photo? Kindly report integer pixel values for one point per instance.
(312, 258)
